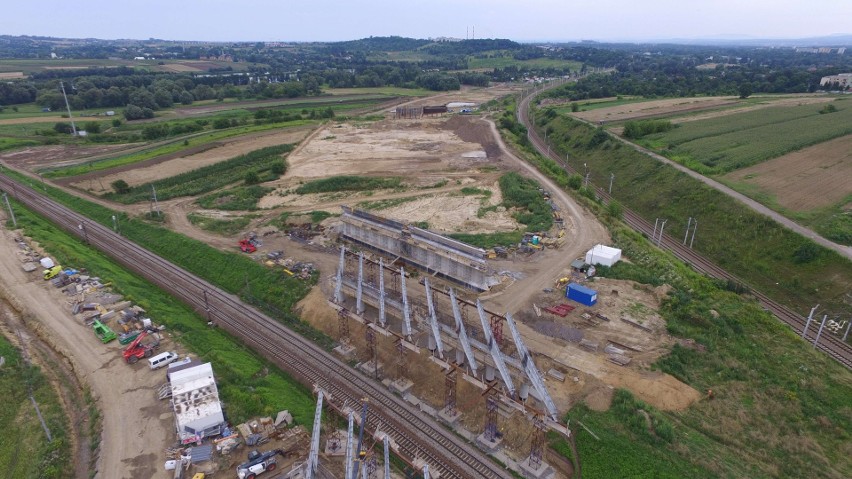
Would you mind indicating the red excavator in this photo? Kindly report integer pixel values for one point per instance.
(136, 350)
(246, 246)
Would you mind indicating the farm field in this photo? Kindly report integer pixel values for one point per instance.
(622, 111)
(475, 63)
(727, 143)
(27, 66)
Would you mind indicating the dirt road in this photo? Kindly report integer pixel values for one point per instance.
(136, 426)
(585, 231)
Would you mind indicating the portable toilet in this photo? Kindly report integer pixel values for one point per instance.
(581, 294)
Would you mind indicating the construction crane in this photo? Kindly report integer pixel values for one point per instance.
(313, 457)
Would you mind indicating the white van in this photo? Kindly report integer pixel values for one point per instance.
(162, 359)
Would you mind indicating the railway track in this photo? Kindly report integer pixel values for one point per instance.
(416, 436)
(831, 345)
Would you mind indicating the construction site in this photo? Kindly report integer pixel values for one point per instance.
(496, 343)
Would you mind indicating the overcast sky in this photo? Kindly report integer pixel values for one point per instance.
(521, 20)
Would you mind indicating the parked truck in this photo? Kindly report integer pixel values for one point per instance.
(136, 350)
(258, 463)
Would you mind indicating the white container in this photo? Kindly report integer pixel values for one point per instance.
(46, 263)
(603, 255)
(170, 465)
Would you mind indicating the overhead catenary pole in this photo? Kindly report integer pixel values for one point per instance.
(694, 228)
(848, 323)
(808, 322)
(11, 213)
(154, 199)
(611, 178)
(819, 333)
(685, 235)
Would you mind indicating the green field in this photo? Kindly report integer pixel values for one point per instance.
(723, 144)
(475, 63)
(787, 267)
(266, 163)
(24, 448)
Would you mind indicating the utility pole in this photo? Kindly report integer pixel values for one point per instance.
(662, 227)
(154, 199)
(685, 235)
(73, 127)
(114, 224)
(11, 213)
(694, 228)
(611, 178)
(847, 330)
(586, 177)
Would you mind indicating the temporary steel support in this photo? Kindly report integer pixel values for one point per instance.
(382, 320)
(530, 368)
(406, 313)
(433, 319)
(450, 385)
(347, 472)
(401, 360)
(359, 300)
(468, 352)
(371, 348)
(496, 355)
(338, 286)
(343, 326)
(490, 431)
(313, 457)
(370, 465)
(537, 443)
(387, 457)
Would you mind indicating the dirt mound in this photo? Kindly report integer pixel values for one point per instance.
(473, 130)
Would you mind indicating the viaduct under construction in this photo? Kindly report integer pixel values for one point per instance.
(434, 253)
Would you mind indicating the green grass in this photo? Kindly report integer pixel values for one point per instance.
(724, 144)
(523, 195)
(235, 199)
(489, 240)
(780, 407)
(24, 448)
(12, 143)
(263, 162)
(219, 226)
(348, 183)
(586, 105)
(385, 204)
(748, 244)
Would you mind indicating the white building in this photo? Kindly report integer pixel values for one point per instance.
(603, 255)
(843, 79)
(195, 399)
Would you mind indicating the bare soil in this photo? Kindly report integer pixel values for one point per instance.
(32, 119)
(771, 102)
(653, 108)
(814, 177)
(175, 164)
(136, 426)
(38, 157)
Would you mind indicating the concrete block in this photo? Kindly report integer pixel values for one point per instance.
(401, 386)
(346, 351)
(544, 470)
(489, 446)
(450, 418)
(368, 369)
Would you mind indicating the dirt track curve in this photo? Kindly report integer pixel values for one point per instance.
(834, 347)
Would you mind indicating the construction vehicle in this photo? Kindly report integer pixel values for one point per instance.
(137, 350)
(103, 332)
(52, 272)
(258, 463)
(247, 247)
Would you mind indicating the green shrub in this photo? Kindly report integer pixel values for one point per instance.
(348, 183)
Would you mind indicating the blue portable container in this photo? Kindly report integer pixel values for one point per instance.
(581, 294)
